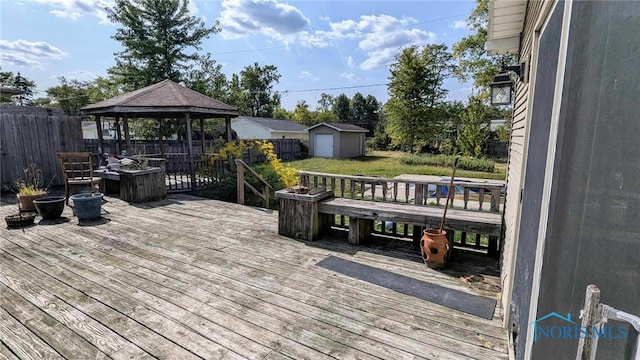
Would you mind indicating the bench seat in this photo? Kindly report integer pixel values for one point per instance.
(361, 214)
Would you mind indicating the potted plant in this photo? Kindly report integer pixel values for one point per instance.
(29, 188)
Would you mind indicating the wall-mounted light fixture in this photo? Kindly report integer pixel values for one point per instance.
(502, 86)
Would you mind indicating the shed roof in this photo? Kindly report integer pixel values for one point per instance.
(506, 20)
(341, 127)
(276, 124)
(165, 98)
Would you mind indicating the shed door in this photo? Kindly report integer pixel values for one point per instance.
(324, 145)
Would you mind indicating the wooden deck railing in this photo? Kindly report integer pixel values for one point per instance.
(181, 177)
(473, 195)
(242, 169)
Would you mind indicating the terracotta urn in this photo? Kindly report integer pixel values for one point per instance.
(434, 247)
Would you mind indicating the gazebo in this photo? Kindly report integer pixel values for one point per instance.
(164, 100)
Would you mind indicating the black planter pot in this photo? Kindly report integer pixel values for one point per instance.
(50, 207)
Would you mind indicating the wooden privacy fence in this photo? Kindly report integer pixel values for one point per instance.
(479, 195)
(35, 135)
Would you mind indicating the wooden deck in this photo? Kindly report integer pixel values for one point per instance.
(193, 278)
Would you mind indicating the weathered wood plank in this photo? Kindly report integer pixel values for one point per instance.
(133, 331)
(227, 305)
(157, 247)
(184, 306)
(210, 330)
(6, 354)
(464, 220)
(23, 342)
(264, 264)
(99, 335)
(59, 337)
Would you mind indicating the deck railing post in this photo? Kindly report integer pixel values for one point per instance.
(240, 181)
(495, 200)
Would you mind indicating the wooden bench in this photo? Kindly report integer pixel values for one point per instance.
(362, 213)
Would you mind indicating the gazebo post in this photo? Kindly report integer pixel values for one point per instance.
(100, 137)
(127, 137)
(227, 124)
(160, 136)
(118, 136)
(190, 152)
(202, 134)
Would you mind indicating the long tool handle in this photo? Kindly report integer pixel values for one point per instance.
(450, 191)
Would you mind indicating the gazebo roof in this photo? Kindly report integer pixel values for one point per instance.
(164, 99)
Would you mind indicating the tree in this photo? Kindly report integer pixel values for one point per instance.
(358, 110)
(156, 36)
(302, 115)
(342, 108)
(325, 103)
(416, 94)
(475, 128)
(372, 113)
(364, 111)
(470, 51)
(208, 79)
(236, 96)
(258, 83)
(70, 95)
(8, 79)
(380, 139)
(103, 88)
(282, 113)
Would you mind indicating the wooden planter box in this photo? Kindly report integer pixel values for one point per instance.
(142, 185)
(298, 216)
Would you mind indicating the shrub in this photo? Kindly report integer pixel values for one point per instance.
(272, 170)
(465, 163)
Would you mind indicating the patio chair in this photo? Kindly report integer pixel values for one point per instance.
(77, 170)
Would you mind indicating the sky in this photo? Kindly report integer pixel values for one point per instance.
(318, 46)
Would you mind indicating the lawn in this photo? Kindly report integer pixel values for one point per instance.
(386, 164)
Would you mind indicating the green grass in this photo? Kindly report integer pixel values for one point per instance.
(387, 164)
(466, 163)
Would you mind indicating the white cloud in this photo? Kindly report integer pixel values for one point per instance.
(245, 17)
(25, 53)
(73, 15)
(460, 24)
(75, 9)
(349, 76)
(383, 36)
(308, 76)
(350, 62)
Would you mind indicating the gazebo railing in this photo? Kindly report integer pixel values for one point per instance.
(180, 176)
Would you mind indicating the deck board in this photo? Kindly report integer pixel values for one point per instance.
(195, 278)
